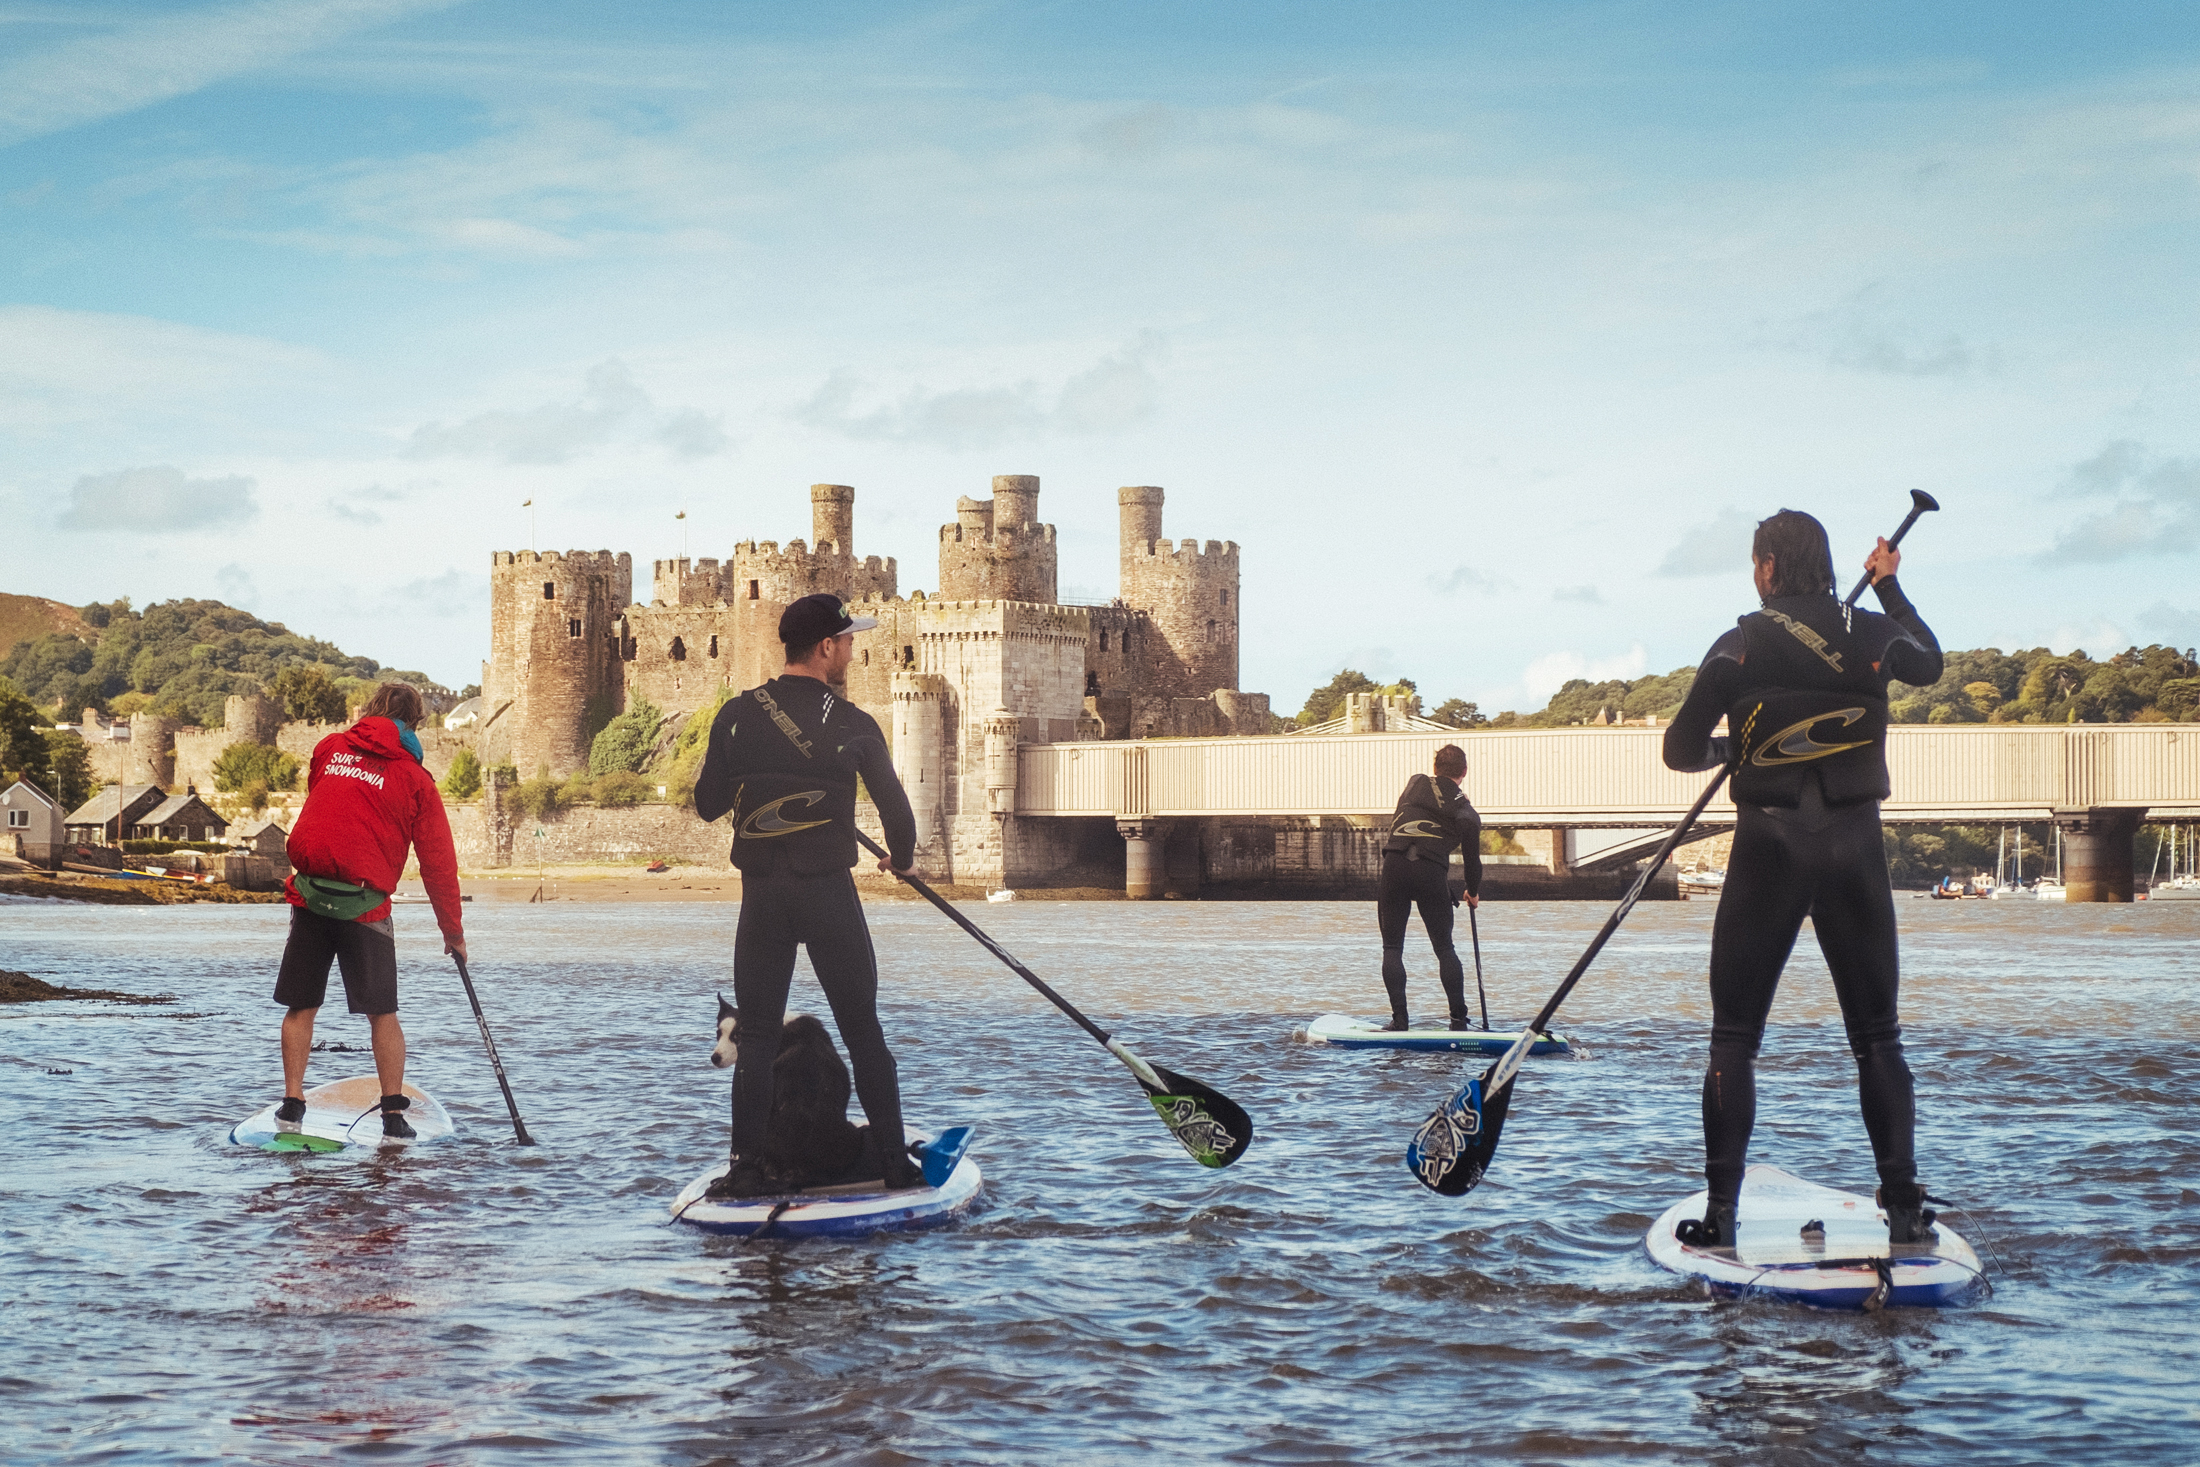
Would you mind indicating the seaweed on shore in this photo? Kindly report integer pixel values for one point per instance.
(23, 988)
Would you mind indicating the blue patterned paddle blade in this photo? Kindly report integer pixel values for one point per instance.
(1454, 1146)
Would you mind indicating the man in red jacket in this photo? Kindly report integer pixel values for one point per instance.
(368, 801)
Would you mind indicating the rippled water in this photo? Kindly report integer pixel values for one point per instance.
(169, 1298)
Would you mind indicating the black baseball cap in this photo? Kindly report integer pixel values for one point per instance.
(814, 618)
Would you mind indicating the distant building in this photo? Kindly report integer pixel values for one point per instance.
(35, 829)
(262, 838)
(180, 817)
(107, 817)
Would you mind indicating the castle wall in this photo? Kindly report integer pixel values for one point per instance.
(997, 550)
(682, 654)
(762, 580)
(1190, 596)
(555, 652)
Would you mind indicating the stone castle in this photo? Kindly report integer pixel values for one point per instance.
(958, 679)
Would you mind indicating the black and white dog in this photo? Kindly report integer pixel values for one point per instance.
(809, 1141)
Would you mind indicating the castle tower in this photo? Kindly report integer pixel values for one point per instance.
(762, 580)
(919, 729)
(556, 656)
(1190, 596)
(684, 582)
(997, 550)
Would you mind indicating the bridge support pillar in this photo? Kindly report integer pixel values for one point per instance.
(2097, 854)
(1143, 844)
(1559, 866)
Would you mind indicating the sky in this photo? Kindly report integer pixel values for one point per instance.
(1485, 330)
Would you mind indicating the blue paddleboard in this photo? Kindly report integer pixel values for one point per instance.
(1342, 1031)
(1819, 1246)
(951, 1183)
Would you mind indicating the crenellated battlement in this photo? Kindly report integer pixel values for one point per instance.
(573, 559)
(959, 534)
(1192, 551)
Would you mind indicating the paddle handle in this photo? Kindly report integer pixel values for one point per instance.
(1920, 503)
(1474, 930)
(991, 946)
(519, 1127)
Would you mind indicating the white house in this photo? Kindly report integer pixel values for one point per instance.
(33, 828)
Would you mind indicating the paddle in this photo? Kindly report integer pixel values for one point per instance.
(1454, 1146)
(1208, 1124)
(519, 1127)
(1474, 930)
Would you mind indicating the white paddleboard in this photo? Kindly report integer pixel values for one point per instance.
(1848, 1264)
(1346, 1032)
(345, 1115)
(852, 1211)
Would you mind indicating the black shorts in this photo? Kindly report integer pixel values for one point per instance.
(366, 951)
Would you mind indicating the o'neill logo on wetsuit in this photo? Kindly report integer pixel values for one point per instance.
(1421, 829)
(1794, 745)
(766, 821)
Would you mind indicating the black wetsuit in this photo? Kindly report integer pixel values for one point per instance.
(791, 787)
(1803, 688)
(1432, 819)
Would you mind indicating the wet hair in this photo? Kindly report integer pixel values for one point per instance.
(1451, 761)
(1802, 560)
(400, 701)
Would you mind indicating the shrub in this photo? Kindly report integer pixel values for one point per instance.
(463, 782)
(538, 797)
(307, 693)
(686, 762)
(624, 787)
(255, 795)
(626, 741)
(242, 764)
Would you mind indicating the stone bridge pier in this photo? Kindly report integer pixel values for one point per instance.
(2098, 853)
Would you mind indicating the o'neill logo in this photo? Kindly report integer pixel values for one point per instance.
(766, 821)
(1420, 830)
(1794, 744)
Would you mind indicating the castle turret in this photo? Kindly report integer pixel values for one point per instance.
(833, 517)
(762, 579)
(997, 550)
(1190, 596)
(556, 653)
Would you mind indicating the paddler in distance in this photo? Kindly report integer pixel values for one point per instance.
(784, 759)
(1802, 684)
(368, 799)
(1433, 817)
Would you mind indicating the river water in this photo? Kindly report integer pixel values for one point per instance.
(169, 1298)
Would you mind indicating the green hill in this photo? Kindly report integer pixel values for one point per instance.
(179, 658)
(27, 618)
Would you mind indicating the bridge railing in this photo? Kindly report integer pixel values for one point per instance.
(1604, 776)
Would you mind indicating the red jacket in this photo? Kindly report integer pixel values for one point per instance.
(367, 801)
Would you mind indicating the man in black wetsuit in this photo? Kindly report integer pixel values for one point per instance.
(1803, 687)
(1432, 817)
(784, 758)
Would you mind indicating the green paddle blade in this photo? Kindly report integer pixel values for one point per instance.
(1207, 1123)
(294, 1141)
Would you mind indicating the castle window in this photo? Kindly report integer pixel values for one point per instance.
(1103, 639)
(752, 590)
(626, 650)
(1210, 631)
(714, 646)
(1225, 598)
(908, 657)
(679, 650)
(866, 657)
(549, 590)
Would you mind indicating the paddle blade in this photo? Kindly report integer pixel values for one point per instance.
(1209, 1124)
(1454, 1146)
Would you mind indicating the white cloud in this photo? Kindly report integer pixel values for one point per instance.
(59, 368)
(1720, 544)
(1586, 595)
(157, 498)
(611, 401)
(237, 586)
(2158, 513)
(694, 434)
(1547, 674)
(2172, 624)
(2099, 638)
(1115, 393)
(170, 55)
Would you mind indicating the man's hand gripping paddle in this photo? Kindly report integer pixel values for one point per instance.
(1208, 1124)
(1454, 1146)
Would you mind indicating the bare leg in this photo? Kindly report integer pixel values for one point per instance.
(297, 1044)
(389, 1051)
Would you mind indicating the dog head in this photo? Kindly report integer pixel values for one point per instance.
(728, 1048)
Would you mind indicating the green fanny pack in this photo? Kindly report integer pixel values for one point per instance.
(346, 901)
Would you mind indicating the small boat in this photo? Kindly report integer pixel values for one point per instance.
(1708, 880)
(655, 867)
(1003, 895)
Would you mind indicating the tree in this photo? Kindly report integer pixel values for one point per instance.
(1459, 713)
(627, 741)
(463, 782)
(23, 752)
(243, 764)
(1327, 701)
(69, 759)
(307, 694)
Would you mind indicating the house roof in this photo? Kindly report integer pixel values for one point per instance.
(172, 809)
(100, 808)
(29, 789)
(253, 830)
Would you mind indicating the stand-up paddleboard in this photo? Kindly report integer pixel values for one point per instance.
(344, 1115)
(1817, 1245)
(951, 1182)
(1346, 1032)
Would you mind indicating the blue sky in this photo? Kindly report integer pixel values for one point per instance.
(1485, 330)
